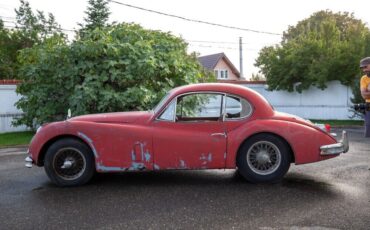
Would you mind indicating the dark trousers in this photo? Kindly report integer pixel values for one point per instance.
(367, 124)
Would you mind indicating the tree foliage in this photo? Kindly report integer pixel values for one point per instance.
(257, 77)
(30, 29)
(324, 47)
(35, 28)
(8, 50)
(97, 15)
(116, 68)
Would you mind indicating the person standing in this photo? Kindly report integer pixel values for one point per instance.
(365, 90)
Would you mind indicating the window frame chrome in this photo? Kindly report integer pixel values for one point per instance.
(223, 106)
(239, 118)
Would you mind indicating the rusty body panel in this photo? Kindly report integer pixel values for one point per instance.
(196, 146)
(131, 141)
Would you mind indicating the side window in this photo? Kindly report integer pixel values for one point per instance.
(169, 113)
(237, 108)
(199, 107)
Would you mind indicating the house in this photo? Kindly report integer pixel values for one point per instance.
(221, 66)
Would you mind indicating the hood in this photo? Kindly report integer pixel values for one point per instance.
(119, 117)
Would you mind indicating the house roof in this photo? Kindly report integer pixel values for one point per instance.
(210, 62)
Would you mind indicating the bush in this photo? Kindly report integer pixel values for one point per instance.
(117, 68)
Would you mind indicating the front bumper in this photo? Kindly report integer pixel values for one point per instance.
(334, 149)
(28, 160)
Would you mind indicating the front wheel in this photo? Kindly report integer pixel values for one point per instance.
(69, 162)
(264, 158)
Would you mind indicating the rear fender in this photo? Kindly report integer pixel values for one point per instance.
(304, 141)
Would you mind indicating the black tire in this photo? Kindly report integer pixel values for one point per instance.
(264, 158)
(69, 162)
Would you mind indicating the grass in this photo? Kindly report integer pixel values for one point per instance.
(340, 122)
(16, 138)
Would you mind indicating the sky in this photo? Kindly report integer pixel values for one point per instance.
(268, 16)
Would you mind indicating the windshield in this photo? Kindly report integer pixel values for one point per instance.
(161, 103)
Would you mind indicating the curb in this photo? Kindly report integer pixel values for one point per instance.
(347, 126)
(13, 151)
(13, 147)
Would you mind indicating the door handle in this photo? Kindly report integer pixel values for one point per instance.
(219, 134)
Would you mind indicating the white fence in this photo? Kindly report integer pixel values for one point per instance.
(8, 111)
(333, 103)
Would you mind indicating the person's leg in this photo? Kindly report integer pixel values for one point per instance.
(367, 124)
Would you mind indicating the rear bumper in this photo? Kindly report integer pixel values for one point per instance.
(334, 149)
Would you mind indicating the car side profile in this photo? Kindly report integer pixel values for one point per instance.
(199, 126)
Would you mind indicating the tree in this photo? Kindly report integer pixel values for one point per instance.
(30, 29)
(97, 16)
(34, 29)
(5, 55)
(118, 68)
(327, 46)
(257, 77)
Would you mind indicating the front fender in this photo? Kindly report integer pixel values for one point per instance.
(40, 140)
(87, 132)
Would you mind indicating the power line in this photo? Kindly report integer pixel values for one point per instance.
(224, 42)
(222, 47)
(216, 42)
(193, 20)
(9, 21)
(20, 26)
(6, 17)
(5, 5)
(210, 46)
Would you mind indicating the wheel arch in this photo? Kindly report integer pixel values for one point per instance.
(291, 152)
(45, 147)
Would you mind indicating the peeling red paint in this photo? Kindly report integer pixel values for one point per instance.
(133, 141)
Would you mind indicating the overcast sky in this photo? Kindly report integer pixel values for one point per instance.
(260, 15)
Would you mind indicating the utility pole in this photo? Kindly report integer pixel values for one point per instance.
(241, 57)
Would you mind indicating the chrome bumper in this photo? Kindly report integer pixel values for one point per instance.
(28, 161)
(334, 149)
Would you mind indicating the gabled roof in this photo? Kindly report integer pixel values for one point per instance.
(210, 62)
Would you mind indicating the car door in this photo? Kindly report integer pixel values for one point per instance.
(190, 134)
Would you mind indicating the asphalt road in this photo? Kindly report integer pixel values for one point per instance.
(333, 194)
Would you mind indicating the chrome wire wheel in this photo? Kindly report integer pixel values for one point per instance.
(263, 157)
(69, 163)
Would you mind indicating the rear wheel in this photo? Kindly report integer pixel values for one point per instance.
(69, 162)
(264, 158)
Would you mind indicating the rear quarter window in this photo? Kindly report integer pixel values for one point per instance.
(237, 108)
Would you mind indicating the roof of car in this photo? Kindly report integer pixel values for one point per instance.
(252, 96)
(219, 87)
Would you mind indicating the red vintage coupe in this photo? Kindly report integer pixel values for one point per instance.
(200, 126)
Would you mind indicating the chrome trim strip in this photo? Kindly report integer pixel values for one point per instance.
(219, 134)
(224, 95)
